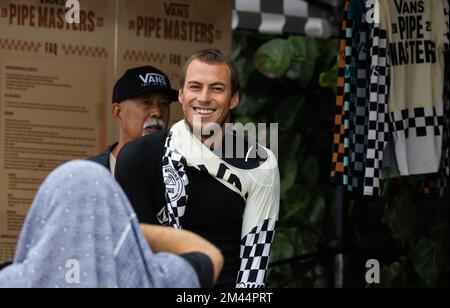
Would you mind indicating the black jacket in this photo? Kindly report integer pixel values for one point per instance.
(103, 158)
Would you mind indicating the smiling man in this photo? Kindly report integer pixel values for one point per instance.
(208, 95)
(182, 179)
(141, 106)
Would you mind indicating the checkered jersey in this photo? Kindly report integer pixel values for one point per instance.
(255, 249)
(259, 186)
(443, 181)
(446, 140)
(437, 183)
(348, 85)
(361, 112)
(416, 92)
(337, 169)
(378, 120)
(356, 71)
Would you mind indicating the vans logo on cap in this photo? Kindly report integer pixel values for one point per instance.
(152, 78)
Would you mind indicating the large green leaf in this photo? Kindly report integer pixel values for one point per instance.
(293, 210)
(301, 71)
(239, 45)
(304, 48)
(243, 66)
(308, 241)
(287, 112)
(329, 53)
(440, 235)
(393, 276)
(317, 210)
(282, 247)
(299, 46)
(310, 170)
(328, 79)
(274, 58)
(401, 217)
(305, 53)
(295, 71)
(427, 261)
(249, 105)
(288, 174)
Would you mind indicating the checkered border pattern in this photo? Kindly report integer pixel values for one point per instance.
(144, 56)
(19, 45)
(255, 250)
(337, 161)
(378, 128)
(280, 16)
(417, 122)
(84, 51)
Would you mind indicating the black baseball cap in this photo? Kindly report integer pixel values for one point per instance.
(137, 81)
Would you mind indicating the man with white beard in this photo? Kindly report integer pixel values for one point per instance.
(141, 106)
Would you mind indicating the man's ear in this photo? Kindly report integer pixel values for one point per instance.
(180, 96)
(116, 112)
(234, 101)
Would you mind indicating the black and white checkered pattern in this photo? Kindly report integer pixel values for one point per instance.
(285, 16)
(378, 128)
(446, 137)
(438, 184)
(417, 122)
(338, 155)
(176, 183)
(443, 181)
(255, 249)
(361, 112)
(347, 177)
(446, 16)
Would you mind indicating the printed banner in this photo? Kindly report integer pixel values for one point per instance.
(165, 33)
(54, 94)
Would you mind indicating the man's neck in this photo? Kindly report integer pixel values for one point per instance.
(115, 151)
(211, 141)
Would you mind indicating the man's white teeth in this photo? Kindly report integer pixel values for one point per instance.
(204, 111)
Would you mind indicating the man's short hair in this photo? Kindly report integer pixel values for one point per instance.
(214, 56)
